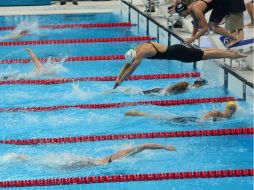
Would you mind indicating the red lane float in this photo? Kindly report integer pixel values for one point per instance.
(75, 41)
(120, 104)
(105, 78)
(84, 25)
(67, 59)
(170, 134)
(128, 178)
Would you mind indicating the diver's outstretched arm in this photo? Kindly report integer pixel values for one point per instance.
(134, 150)
(36, 61)
(123, 70)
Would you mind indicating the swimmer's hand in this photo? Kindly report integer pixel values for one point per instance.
(28, 50)
(134, 113)
(190, 40)
(116, 85)
(170, 148)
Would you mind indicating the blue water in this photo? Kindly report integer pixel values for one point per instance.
(196, 153)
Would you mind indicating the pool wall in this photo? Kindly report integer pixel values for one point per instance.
(24, 2)
(148, 26)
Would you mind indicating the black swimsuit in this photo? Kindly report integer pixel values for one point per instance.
(179, 52)
(184, 119)
(219, 9)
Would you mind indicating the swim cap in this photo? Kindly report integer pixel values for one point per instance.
(200, 81)
(231, 103)
(180, 7)
(24, 32)
(130, 55)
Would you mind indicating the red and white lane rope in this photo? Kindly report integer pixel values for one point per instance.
(170, 134)
(67, 59)
(120, 104)
(128, 178)
(82, 25)
(76, 41)
(103, 78)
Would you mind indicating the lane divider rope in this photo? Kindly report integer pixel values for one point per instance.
(170, 134)
(82, 25)
(103, 78)
(75, 41)
(128, 178)
(67, 59)
(120, 104)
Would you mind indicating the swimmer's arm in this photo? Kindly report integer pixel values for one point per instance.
(10, 36)
(36, 61)
(177, 88)
(123, 70)
(138, 113)
(134, 150)
(213, 114)
(130, 69)
(200, 19)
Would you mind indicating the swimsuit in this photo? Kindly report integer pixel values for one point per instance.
(184, 119)
(179, 52)
(219, 10)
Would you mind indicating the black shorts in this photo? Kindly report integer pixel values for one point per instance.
(219, 10)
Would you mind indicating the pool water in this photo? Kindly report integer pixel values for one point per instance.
(46, 161)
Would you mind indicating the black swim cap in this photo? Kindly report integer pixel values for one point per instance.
(200, 82)
(180, 7)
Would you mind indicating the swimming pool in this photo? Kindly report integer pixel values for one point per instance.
(193, 153)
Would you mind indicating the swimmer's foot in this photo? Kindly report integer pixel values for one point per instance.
(237, 54)
(233, 42)
(250, 25)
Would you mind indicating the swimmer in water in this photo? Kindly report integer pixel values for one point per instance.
(79, 162)
(15, 36)
(153, 50)
(39, 70)
(37, 63)
(177, 88)
(215, 115)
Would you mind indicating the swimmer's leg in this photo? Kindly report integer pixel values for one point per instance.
(154, 90)
(36, 61)
(218, 54)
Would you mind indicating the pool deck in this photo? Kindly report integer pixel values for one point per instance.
(159, 15)
(56, 8)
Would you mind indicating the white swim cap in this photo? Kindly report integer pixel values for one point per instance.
(130, 55)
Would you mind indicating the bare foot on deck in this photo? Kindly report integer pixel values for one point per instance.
(233, 42)
(250, 25)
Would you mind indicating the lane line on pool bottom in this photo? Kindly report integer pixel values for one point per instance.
(129, 178)
(121, 104)
(80, 25)
(100, 78)
(166, 134)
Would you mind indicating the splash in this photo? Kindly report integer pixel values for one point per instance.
(67, 161)
(31, 27)
(78, 93)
